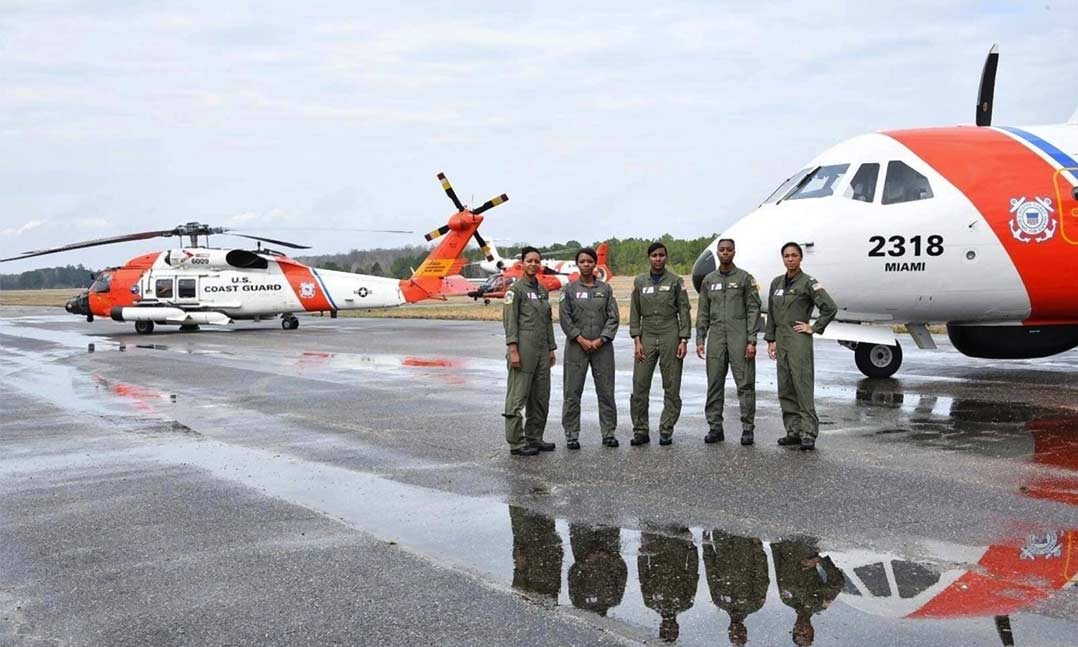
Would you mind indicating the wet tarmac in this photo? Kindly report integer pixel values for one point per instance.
(347, 483)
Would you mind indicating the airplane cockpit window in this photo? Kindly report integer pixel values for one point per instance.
(874, 577)
(904, 184)
(863, 185)
(790, 182)
(102, 284)
(820, 184)
(163, 288)
(913, 578)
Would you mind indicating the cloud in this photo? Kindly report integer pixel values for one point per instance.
(30, 225)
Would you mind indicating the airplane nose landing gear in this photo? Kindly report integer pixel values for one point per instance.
(289, 322)
(877, 360)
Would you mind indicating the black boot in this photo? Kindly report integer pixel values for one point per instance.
(746, 438)
(808, 443)
(610, 442)
(572, 444)
(790, 441)
(526, 450)
(640, 439)
(666, 440)
(541, 446)
(714, 437)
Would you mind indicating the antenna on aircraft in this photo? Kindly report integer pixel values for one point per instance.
(987, 91)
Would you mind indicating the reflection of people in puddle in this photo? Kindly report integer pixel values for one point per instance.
(808, 583)
(597, 577)
(736, 569)
(669, 572)
(537, 553)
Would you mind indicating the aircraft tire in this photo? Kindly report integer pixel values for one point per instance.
(289, 323)
(878, 360)
(144, 327)
(486, 302)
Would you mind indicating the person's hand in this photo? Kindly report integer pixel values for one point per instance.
(585, 344)
(700, 351)
(596, 344)
(638, 349)
(771, 354)
(750, 351)
(682, 349)
(553, 358)
(801, 326)
(514, 356)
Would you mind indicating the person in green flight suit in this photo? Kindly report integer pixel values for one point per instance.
(598, 574)
(727, 320)
(790, 301)
(736, 569)
(660, 324)
(588, 314)
(537, 553)
(669, 570)
(808, 583)
(530, 346)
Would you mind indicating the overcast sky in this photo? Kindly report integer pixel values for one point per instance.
(599, 119)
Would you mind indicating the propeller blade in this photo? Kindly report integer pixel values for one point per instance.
(91, 243)
(438, 233)
(450, 192)
(490, 204)
(987, 92)
(284, 243)
(484, 246)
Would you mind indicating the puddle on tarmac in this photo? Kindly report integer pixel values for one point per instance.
(704, 585)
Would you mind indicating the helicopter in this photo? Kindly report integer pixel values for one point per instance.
(197, 284)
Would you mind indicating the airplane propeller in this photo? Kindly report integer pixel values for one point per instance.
(987, 92)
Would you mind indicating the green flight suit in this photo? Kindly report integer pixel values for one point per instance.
(537, 553)
(659, 315)
(787, 303)
(807, 582)
(669, 570)
(590, 312)
(727, 320)
(528, 324)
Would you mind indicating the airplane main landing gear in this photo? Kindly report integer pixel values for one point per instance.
(144, 327)
(289, 322)
(877, 360)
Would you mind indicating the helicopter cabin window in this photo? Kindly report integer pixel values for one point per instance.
(863, 185)
(819, 184)
(186, 289)
(102, 284)
(904, 184)
(163, 288)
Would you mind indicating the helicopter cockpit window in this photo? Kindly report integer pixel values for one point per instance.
(163, 288)
(863, 185)
(102, 284)
(790, 182)
(904, 184)
(820, 184)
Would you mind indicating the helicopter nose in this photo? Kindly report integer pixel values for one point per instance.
(80, 305)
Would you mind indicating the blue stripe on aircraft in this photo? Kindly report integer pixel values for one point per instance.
(329, 297)
(1059, 156)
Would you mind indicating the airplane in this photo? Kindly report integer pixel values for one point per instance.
(555, 275)
(197, 284)
(975, 227)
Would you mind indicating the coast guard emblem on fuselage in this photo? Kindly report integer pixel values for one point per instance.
(1046, 545)
(1032, 219)
(306, 290)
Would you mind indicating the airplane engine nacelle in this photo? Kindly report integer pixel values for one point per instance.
(1012, 342)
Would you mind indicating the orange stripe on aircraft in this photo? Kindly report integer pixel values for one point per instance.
(991, 168)
(306, 286)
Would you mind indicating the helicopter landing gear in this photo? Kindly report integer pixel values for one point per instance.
(289, 322)
(144, 327)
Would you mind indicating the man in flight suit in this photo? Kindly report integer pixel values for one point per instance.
(790, 301)
(727, 320)
(660, 324)
(537, 553)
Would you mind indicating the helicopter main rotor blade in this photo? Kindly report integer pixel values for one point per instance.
(91, 243)
(284, 243)
(373, 231)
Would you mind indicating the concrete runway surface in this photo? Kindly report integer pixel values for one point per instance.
(348, 483)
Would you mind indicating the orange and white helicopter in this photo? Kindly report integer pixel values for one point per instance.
(555, 275)
(972, 226)
(197, 284)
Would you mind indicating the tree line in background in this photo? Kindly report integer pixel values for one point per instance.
(68, 276)
(627, 256)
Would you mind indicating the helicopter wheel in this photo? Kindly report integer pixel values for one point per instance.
(486, 302)
(289, 323)
(144, 327)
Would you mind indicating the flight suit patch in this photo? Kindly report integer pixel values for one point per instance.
(582, 295)
(533, 296)
(509, 296)
(664, 288)
(732, 286)
(715, 287)
(816, 286)
(778, 292)
(648, 290)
